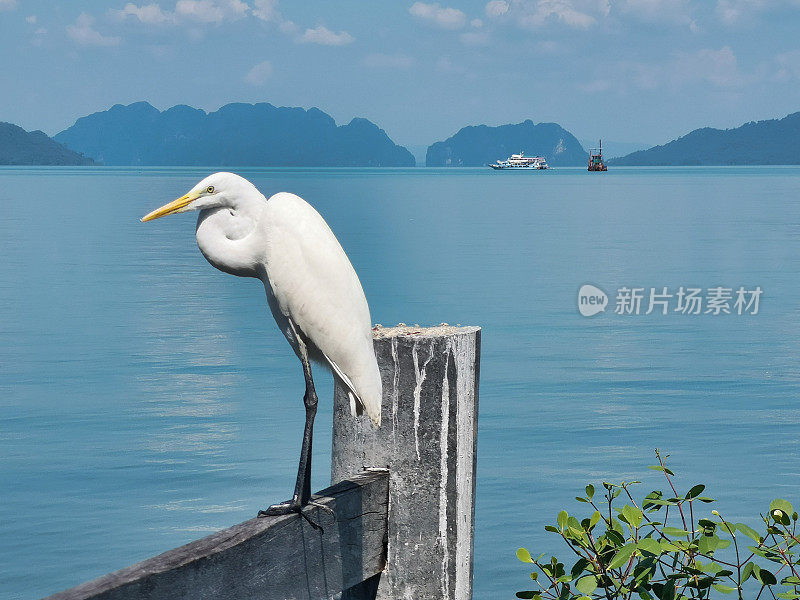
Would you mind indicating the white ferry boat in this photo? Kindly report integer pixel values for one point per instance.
(520, 161)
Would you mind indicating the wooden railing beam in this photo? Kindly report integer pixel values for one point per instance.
(272, 557)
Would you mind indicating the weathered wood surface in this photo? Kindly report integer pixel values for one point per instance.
(427, 440)
(278, 558)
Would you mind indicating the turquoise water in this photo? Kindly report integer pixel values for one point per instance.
(147, 399)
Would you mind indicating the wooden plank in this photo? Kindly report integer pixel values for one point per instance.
(277, 558)
(427, 440)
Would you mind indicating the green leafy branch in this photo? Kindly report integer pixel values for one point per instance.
(631, 551)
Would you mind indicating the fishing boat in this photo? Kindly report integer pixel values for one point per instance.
(520, 161)
(596, 159)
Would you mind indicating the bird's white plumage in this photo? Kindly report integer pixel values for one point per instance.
(312, 289)
(316, 288)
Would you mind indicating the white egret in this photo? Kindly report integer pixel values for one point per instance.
(312, 290)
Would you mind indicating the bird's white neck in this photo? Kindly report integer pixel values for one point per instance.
(226, 237)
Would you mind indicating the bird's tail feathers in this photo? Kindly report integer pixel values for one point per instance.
(369, 400)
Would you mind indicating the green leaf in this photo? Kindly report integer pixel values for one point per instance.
(595, 518)
(524, 555)
(707, 544)
(632, 515)
(695, 491)
(749, 532)
(551, 528)
(562, 519)
(622, 556)
(590, 491)
(660, 468)
(649, 545)
(586, 585)
(780, 504)
(529, 595)
(766, 577)
(653, 501)
(574, 527)
(578, 567)
(615, 537)
(617, 527)
(725, 589)
(674, 531)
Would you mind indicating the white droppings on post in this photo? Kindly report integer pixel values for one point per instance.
(419, 375)
(465, 461)
(396, 384)
(443, 460)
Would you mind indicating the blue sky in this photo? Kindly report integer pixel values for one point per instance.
(628, 70)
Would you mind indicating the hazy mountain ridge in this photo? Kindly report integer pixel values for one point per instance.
(479, 145)
(237, 134)
(770, 142)
(20, 147)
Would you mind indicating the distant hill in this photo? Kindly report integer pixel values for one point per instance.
(479, 145)
(235, 135)
(20, 147)
(774, 142)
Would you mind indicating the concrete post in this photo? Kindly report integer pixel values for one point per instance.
(427, 440)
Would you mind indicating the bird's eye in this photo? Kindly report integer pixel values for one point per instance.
(210, 189)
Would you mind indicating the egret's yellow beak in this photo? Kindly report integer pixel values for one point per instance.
(172, 207)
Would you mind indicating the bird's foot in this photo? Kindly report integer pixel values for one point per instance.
(287, 508)
(282, 508)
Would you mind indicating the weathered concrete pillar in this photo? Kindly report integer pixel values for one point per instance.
(427, 440)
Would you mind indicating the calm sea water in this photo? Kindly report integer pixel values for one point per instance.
(147, 399)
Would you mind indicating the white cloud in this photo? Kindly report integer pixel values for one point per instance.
(709, 68)
(717, 67)
(83, 33)
(496, 8)
(446, 18)
(186, 11)
(582, 14)
(476, 23)
(728, 11)
(325, 37)
(267, 10)
(532, 14)
(31, 19)
(259, 74)
(788, 64)
(536, 14)
(152, 14)
(731, 11)
(388, 61)
(8, 5)
(211, 11)
(288, 27)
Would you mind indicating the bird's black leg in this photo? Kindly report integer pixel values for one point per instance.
(302, 489)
